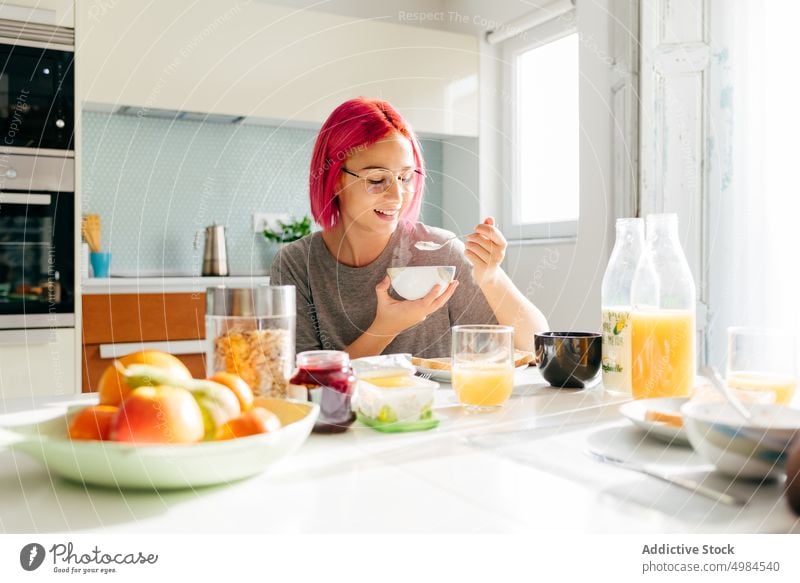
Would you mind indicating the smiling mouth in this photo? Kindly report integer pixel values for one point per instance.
(386, 214)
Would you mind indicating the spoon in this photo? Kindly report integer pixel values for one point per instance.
(716, 380)
(432, 246)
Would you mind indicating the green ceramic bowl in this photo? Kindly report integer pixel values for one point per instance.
(161, 467)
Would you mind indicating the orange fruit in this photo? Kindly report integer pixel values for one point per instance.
(236, 384)
(93, 422)
(112, 386)
(256, 420)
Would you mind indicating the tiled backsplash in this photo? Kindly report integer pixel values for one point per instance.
(155, 182)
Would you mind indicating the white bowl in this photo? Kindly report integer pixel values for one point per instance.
(413, 283)
(756, 449)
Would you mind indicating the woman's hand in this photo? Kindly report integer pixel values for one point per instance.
(394, 316)
(485, 249)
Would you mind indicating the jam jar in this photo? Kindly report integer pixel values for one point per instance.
(329, 381)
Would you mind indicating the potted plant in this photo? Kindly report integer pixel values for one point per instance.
(285, 233)
(288, 232)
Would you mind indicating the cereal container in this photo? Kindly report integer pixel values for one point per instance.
(250, 332)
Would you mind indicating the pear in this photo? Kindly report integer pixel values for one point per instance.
(217, 403)
(146, 375)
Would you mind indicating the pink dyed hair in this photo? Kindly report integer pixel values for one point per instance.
(354, 125)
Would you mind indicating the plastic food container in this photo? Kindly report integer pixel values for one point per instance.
(251, 332)
(390, 398)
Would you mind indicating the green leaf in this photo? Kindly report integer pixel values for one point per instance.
(291, 231)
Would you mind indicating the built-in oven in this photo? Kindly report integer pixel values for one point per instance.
(37, 231)
(37, 96)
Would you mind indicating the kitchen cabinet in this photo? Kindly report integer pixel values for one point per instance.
(118, 324)
(37, 362)
(271, 63)
(125, 315)
(53, 12)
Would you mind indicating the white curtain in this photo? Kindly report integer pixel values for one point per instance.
(754, 218)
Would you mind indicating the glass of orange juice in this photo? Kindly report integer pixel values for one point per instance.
(483, 365)
(762, 361)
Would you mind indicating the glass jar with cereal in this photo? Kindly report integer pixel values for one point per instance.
(251, 332)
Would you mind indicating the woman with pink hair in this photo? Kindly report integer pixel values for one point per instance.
(366, 186)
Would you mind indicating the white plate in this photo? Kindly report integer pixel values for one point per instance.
(444, 376)
(122, 465)
(635, 412)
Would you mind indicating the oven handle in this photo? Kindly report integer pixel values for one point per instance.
(27, 337)
(15, 198)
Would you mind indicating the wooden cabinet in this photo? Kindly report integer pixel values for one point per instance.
(118, 324)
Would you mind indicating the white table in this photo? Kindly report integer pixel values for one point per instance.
(522, 468)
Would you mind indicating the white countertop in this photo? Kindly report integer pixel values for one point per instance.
(522, 468)
(154, 285)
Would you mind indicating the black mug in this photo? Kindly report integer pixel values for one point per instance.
(569, 359)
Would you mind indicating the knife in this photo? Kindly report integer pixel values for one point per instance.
(682, 482)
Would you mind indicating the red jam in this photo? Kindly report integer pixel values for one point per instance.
(330, 382)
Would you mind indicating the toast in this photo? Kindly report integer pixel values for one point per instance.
(668, 418)
(520, 358)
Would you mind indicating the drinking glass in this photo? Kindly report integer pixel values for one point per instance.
(761, 363)
(483, 365)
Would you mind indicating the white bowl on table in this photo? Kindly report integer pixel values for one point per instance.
(414, 282)
(754, 449)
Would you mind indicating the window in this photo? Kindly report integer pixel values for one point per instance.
(543, 165)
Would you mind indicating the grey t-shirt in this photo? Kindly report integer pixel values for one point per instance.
(336, 303)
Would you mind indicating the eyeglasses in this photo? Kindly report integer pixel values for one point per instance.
(379, 181)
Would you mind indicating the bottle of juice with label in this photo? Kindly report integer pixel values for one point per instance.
(663, 315)
(616, 304)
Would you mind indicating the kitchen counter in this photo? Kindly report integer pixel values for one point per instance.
(521, 468)
(157, 285)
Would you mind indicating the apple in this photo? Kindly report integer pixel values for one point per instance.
(217, 403)
(161, 414)
(792, 486)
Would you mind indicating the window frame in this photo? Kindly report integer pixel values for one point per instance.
(538, 36)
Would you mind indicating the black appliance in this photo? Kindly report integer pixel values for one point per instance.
(37, 96)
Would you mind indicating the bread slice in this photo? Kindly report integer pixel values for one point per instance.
(432, 363)
(668, 418)
(521, 358)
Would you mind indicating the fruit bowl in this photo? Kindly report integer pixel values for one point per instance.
(162, 466)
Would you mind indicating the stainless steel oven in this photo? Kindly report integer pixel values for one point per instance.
(37, 230)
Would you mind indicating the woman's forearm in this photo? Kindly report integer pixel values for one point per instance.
(371, 343)
(512, 308)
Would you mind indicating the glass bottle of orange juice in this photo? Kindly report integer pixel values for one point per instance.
(663, 315)
(616, 304)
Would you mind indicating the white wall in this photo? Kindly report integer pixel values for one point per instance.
(562, 277)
